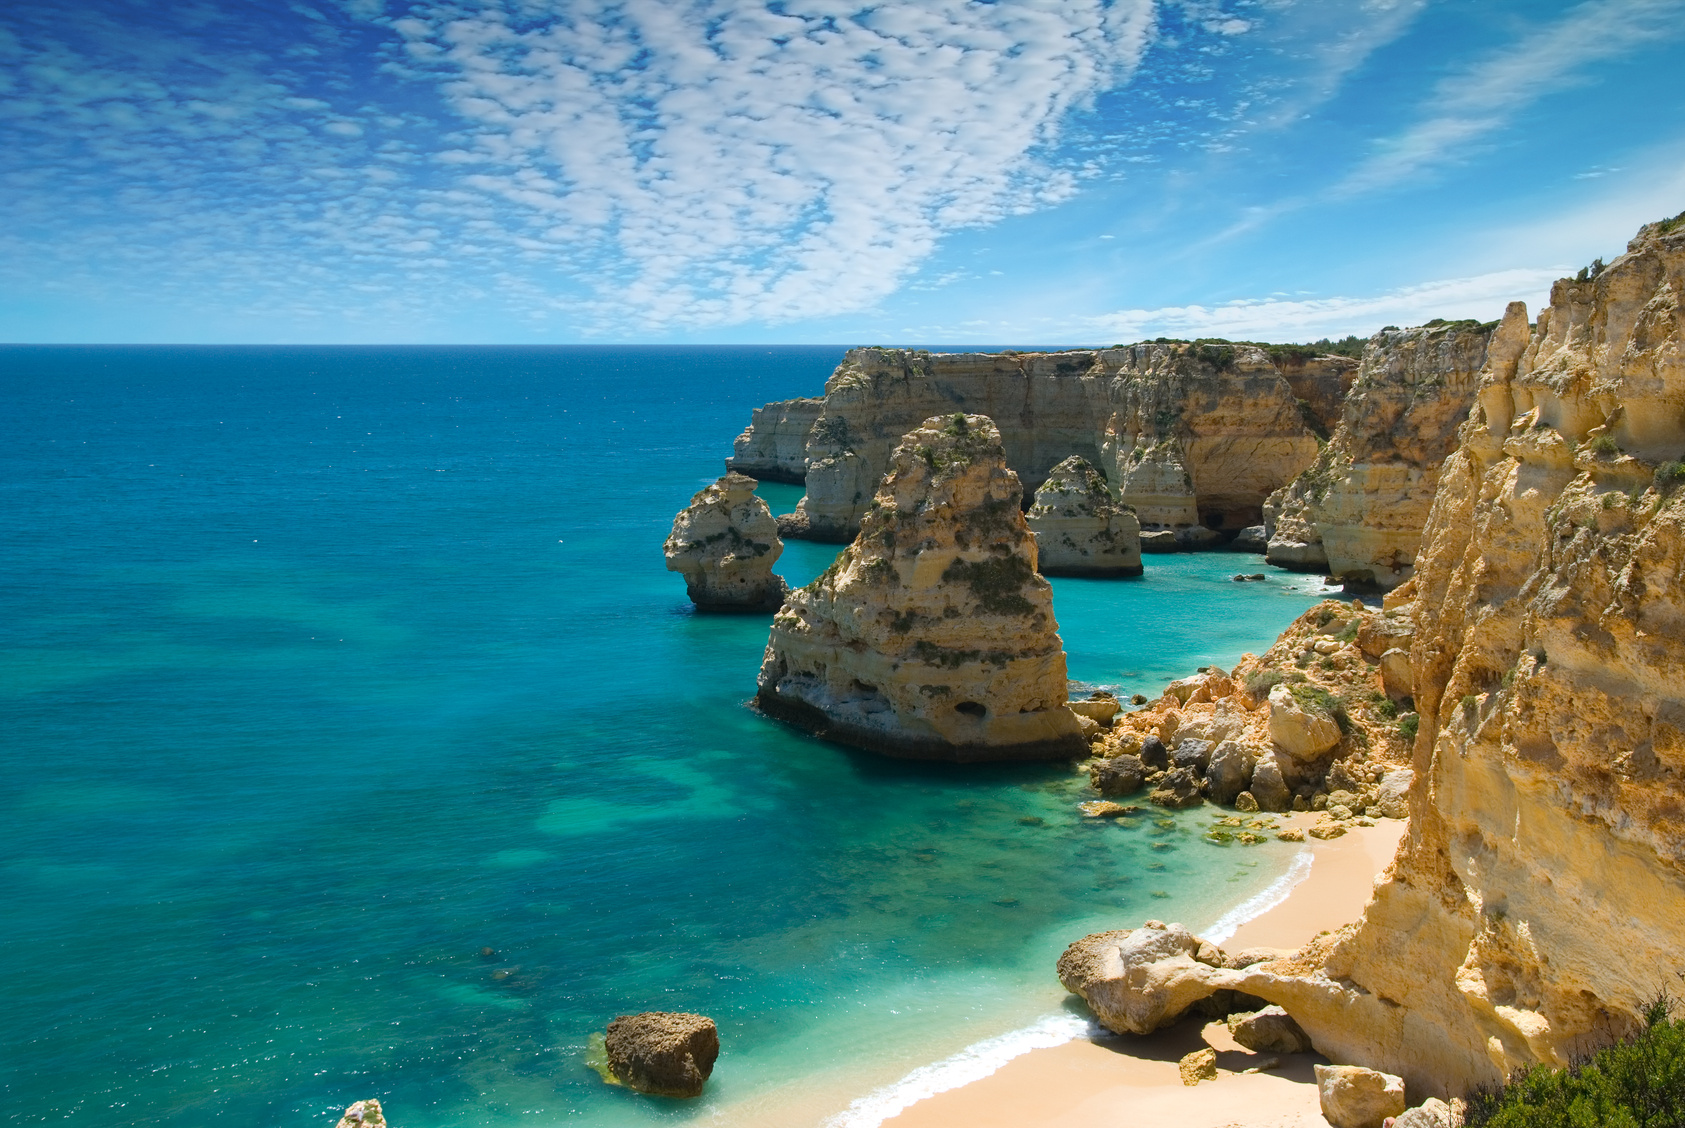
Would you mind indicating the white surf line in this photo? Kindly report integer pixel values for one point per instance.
(1263, 901)
(973, 1063)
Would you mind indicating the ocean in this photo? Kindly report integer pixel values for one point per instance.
(356, 742)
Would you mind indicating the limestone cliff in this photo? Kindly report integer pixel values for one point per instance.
(1193, 435)
(1537, 899)
(931, 635)
(774, 446)
(1080, 530)
(725, 542)
(1358, 511)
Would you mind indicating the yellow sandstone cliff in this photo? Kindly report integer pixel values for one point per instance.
(1194, 436)
(1358, 511)
(1538, 899)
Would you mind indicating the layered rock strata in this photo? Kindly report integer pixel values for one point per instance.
(1080, 529)
(1193, 436)
(931, 635)
(1535, 903)
(1357, 512)
(1307, 726)
(725, 543)
(774, 446)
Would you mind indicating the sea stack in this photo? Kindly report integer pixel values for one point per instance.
(931, 636)
(1080, 530)
(726, 542)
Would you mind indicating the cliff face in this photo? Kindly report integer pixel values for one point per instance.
(932, 635)
(774, 447)
(1358, 511)
(1079, 529)
(1191, 434)
(1537, 900)
(725, 542)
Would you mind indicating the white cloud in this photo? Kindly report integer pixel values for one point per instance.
(1483, 296)
(1481, 99)
(720, 161)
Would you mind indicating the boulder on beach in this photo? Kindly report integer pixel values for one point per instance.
(1271, 1030)
(1301, 732)
(1355, 1097)
(665, 1053)
(1138, 980)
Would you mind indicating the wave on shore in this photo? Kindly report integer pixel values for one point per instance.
(973, 1063)
(1261, 902)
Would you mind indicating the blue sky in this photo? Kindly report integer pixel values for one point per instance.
(1022, 171)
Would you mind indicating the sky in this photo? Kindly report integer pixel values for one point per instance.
(1052, 172)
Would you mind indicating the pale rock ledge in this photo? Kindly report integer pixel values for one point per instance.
(931, 636)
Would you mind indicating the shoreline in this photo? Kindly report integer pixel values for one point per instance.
(1092, 1076)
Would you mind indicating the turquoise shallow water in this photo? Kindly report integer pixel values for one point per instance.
(323, 670)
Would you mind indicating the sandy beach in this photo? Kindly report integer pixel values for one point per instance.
(1124, 1081)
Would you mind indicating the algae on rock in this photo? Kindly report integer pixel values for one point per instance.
(931, 635)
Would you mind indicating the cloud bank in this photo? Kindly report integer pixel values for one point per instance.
(722, 161)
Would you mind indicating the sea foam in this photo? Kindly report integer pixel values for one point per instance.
(1261, 902)
(973, 1063)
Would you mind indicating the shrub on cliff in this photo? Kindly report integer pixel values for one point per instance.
(1638, 1083)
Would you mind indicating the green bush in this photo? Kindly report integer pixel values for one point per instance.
(1260, 683)
(1604, 444)
(1407, 726)
(1670, 475)
(1636, 1083)
(1668, 225)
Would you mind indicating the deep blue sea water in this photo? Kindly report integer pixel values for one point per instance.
(323, 670)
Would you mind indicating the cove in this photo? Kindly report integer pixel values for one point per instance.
(324, 671)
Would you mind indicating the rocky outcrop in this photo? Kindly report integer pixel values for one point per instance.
(1191, 435)
(1306, 726)
(1080, 530)
(725, 542)
(363, 1114)
(931, 635)
(1535, 902)
(667, 1054)
(1358, 511)
(774, 446)
(1269, 1031)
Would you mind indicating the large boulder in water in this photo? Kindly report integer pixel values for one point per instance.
(1080, 530)
(725, 542)
(932, 635)
(668, 1054)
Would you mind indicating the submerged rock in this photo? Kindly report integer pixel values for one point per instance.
(1080, 530)
(665, 1053)
(725, 542)
(932, 635)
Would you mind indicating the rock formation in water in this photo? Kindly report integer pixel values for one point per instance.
(363, 1114)
(1080, 530)
(1194, 436)
(931, 635)
(1306, 726)
(668, 1054)
(1535, 903)
(725, 542)
(1358, 511)
(774, 447)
